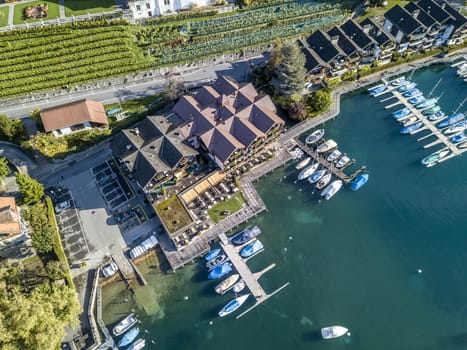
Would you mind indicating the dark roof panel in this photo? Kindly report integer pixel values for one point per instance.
(459, 20)
(434, 10)
(422, 16)
(344, 43)
(321, 44)
(403, 20)
(376, 32)
(356, 34)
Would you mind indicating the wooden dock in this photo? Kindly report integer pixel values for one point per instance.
(124, 266)
(250, 278)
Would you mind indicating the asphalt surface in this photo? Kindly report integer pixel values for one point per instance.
(239, 70)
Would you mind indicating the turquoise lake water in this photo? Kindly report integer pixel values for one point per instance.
(351, 261)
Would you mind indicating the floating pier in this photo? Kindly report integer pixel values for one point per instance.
(250, 278)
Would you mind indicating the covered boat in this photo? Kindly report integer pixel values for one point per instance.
(323, 181)
(316, 176)
(305, 173)
(437, 116)
(333, 332)
(416, 100)
(303, 163)
(327, 146)
(233, 305)
(125, 324)
(398, 81)
(452, 119)
(427, 104)
(407, 87)
(462, 145)
(226, 284)
(401, 113)
(409, 121)
(251, 249)
(128, 337)
(212, 254)
(359, 182)
(458, 138)
(220, 259)
(332, 189)
(377, 90)
(220, 271)
(138, 344)
(411, 128)
(434, 157)
(314, 136)
(412, 93)
(432, 110)
(246, 235)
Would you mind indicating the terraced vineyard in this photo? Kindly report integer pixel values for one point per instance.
(40, 59)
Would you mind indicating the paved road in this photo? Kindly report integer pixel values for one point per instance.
(239, 70)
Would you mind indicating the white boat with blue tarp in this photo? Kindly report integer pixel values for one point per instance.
(460, 126)
(412, 93)
(401, 113)
(305, 173)
(452, 119)
(332, 189)
(437, 116)
(416, 100)
(128, 337)
(458, 138)
(233, 305)
(220, 271)
(398, 81)
(314, 136)
(316, 176)
(377, 90)
(333, 332)
(220, 259)
(427, 103)
(359, 181)
(407, 87)
(251, 249)
(411, 128)
(212, 254)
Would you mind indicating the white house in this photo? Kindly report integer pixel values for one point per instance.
(151, 8)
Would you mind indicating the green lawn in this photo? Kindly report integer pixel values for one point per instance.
(376, 11)
(232, 205)
(173, 214)
(4, 16)
(83, 7)
(53, 13)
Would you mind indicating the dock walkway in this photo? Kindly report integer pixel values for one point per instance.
(250, 278)
(124, 266)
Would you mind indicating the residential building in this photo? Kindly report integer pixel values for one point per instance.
(365, 44)
(10, 222)
(150, 8)
(73, 117)
(386, 44)
(153, 152)
(229, 121)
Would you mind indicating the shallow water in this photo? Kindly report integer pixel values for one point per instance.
(388, 261)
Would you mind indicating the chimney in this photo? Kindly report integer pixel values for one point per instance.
(443, 5)
(366, 28)
(415, 13)
(136, 131)
(334, 39)
(128, 147)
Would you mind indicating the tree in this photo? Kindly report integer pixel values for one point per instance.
(37, 320)
(289, 75)
(43, 233)
(4, 169)
(174, 89)
(55, 269)
(31, 190)
(297, 108)
(11, 130)
(319, 101)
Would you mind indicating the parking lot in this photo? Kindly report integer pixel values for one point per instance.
(69, 224)
(112, 184)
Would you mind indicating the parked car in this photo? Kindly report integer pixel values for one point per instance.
(109, 270)
(62, 206)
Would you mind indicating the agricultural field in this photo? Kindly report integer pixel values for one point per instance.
(4, 11)
(53, 57)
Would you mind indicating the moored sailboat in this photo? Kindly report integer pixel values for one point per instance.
(324, 181)
(314, 136)
(308, 171)
(125, 324)
(303, 163)
(233, 305)
(332, 189)
(435, 157)
(226, 284)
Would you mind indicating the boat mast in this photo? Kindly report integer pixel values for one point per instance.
(434, 87)
(460, 105)
(411, 74)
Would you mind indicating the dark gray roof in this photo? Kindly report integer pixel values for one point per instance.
(344, 43)
(459, 20)
(376, 32)
(152, 147)
(355, 33)
(322, 45)
(312, 61)
(403, 20)
(422, 16)
(434, 10)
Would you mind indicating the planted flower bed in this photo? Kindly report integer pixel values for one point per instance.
(36, 11)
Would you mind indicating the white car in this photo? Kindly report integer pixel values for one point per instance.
(109, 270)
(62, 206)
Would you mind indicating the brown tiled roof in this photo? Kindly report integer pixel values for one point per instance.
(9, 216)
(72, 114)
(226, 116)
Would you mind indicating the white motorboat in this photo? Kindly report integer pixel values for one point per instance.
(239, 286)
(332, 189)
(333, 332)
(334, 155)
(342, 162)
(233, 305)
(460, 126)
(125, 324)
(303, 163)
(327, 146)
(409, 121)
(138, 344)
(323, 181)
(317, 175)
(314, 136)
(433, 158)
(226, 284)
(308, 171)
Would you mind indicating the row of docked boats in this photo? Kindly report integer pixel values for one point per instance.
(248, 246)
(321, 177)
(125, 328)
(453, 126)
